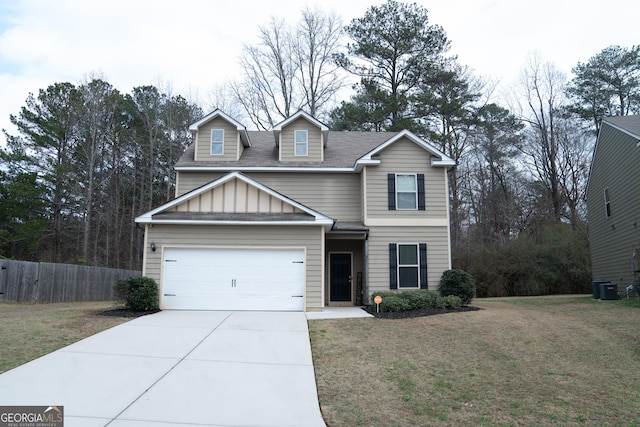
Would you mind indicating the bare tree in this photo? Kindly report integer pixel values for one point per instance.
(542, 88)
(290, 70)
(318, 38)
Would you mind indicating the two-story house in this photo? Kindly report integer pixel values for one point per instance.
(613, 202)
(298, 218)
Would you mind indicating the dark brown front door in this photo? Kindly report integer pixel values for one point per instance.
(340, 280)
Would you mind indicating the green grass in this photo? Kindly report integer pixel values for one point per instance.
(30, 331)
(539, 361)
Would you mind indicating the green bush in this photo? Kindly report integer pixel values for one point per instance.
(137, 293)
(415, 300)
(458, 283)
(452, 301)
(394, 303)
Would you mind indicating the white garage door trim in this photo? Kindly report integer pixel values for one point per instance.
(199, 278)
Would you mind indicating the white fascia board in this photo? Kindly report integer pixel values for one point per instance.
(260, 169)
(444, 160)
(621, 129)
(326, 224)
(219, 113)
(296, 116)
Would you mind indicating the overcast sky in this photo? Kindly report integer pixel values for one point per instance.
(192, 45)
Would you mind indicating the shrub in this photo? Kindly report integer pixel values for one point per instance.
(416, 299)
(394, 303)
(137, 293)
(452, 301)
(458, 283)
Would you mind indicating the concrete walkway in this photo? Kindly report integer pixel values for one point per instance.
(180, 368)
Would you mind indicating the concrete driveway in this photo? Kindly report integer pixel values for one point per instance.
(179, 368)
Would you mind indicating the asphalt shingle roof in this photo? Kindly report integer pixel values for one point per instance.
(342, 151)
(629, 123)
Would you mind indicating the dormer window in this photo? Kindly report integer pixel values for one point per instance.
(217, 142)
(301, 143)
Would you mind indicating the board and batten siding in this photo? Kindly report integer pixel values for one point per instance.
(235, 196)
(232, 144)
(404, 156)
(314, 140)
(613, 241)
(336, 195)
(310, 238)
(438, 253)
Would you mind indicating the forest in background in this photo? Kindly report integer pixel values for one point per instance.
(87, 159)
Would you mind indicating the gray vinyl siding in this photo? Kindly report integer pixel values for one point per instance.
(287, 142)
(336, 195)
(614, 240)
(438, 257)
(406, 157)
(311, 238)
(231, 141)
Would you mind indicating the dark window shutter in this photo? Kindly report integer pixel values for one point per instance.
(391, 188)
(423, 266)
(421, 196)
(393, 266)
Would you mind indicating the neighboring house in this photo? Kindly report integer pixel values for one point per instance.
(613, 201)
(298, 218)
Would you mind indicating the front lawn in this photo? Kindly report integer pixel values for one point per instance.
(560, 360)
(28, 331)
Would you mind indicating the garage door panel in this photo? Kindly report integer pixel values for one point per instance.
(233, 279)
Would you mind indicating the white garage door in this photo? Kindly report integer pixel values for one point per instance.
(233, 279)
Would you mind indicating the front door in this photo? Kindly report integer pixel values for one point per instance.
(340, 280)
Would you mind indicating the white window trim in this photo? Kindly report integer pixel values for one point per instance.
(217, 143)
(607, 204)
(398, 265)
(415, 180)
(296, 143)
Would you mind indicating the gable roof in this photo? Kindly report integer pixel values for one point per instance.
(301, 114)
(347, 152)
(303, 215)
(442, 159)
(219, 113)
(627, 124)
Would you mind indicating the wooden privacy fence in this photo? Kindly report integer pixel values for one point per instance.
(43, 282)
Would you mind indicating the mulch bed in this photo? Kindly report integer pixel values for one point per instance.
(126, 312)
(418, 313)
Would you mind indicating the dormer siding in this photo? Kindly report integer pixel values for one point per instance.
(287, 143)
(232, 144)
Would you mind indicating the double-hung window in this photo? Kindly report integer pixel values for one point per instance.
(406, 191)
(301, 143)
(217, 142)
(408, 265)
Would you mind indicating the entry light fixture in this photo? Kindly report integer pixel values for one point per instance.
(153, 246)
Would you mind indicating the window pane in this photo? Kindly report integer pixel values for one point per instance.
(216, 148)
(217, 135)
(301, 149)
(407, 254)
(408, 277)
(406, 200)
(301, 136)
(406, 182)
